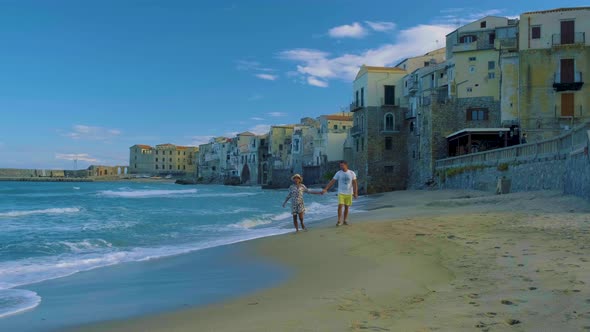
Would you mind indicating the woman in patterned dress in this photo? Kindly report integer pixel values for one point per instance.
(296, 191)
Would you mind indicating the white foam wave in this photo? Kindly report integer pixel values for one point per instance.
(87, 245)
(146, 193)
(45, 211)
(228, 195)
(14, 301)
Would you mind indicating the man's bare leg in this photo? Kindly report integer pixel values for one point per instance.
(339, 214)
(345, 214)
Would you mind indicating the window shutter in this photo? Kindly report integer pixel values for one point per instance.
(469, 117)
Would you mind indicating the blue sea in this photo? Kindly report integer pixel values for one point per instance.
(54, 230)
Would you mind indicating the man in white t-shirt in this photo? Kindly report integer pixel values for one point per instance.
(347, 189)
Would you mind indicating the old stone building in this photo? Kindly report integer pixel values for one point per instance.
(164, 159)
(378, 135)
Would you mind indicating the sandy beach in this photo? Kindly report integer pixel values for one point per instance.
(418, 261)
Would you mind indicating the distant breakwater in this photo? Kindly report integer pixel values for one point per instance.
(46, 179)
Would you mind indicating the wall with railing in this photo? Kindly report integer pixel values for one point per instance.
(554, 147)
(561, 163)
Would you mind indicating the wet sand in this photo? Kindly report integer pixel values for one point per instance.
(418, 261)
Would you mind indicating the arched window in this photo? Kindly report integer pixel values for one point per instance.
(389, 122)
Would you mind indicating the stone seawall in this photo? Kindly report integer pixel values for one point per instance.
(561, 164)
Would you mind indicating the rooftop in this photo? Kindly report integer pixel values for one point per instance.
(372, 69)
(555, 10)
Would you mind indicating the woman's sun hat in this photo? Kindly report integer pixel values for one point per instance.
(297, 176)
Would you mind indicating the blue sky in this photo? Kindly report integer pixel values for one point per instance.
(88, 79)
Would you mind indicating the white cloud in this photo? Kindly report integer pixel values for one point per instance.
(76, 156)
(316, 82)
(198, 140)
(461, 16)
(268, 77)
(317, 66)
(381, 26)
(354, 30)
(248, 65)
(252, 118)
(260, 129)
(276, 114)
(92, 133)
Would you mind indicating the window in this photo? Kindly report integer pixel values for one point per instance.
(483, 24)
(389, 93)
(179, 153)
(357, 99)
(491, 65)
(184, 167)
(388, 143)
(491, 76)
(362, 97)
(412, 126)
(178, 167)
(389, 122)
(469, 89)
(156, 159)
(426, 63)
(477, 114)
(156, 166)
(567, 104)
(335, 127)
(536, 32)
(472, 58)
(169, 166)
(357, 145)
(566, 67)
(467, 39)
(157, 151)
(170, 159)
(491, 38)
(344, 127)
(362, 144)
(136, 166)
(472, 69)
(280, 147)
(388, 169)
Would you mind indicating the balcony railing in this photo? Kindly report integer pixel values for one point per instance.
(577, 38)
(394, 102)
(355, 107)
(560, 85)
(409, 114)
(506, 43)
(356, 130)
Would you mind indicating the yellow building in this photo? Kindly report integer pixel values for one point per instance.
(554, 61)
(473, 59)
(164, 159)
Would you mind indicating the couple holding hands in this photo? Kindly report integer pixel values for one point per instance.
(347, 190)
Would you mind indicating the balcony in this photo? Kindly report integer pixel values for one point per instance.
(390, 103)
(572, 85)
(463, 47)
(355, 107)
(510, 44)
(356, 130)
(409, 114)
(412, 84)
(575, 39)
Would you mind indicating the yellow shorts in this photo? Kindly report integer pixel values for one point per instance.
(344, 199)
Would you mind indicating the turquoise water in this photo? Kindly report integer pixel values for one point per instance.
(53, 230)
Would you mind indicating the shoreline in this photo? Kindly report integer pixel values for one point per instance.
(451, 260)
